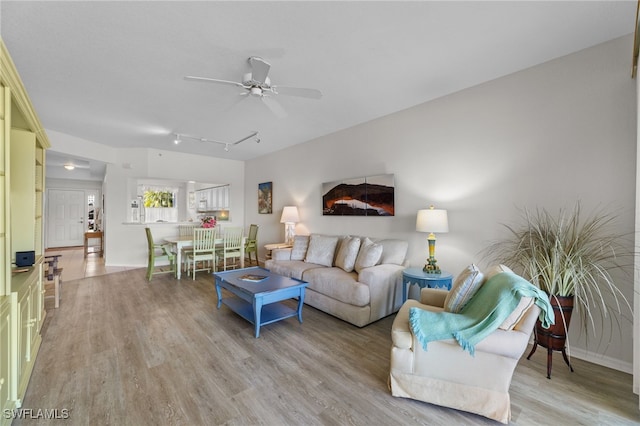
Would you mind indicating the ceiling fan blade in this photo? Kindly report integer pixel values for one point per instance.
(260, 69)
(274, 106)
(214, 80)
(297, 91)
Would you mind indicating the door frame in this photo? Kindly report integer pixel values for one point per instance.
(87, 191)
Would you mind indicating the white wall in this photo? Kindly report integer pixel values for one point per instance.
(549, 136)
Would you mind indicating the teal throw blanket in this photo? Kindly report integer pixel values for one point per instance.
(482, 315)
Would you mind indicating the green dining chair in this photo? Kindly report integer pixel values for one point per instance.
(251, 244)
(159, 253)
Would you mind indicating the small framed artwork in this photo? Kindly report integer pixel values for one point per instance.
(265, 201)
(192, 200)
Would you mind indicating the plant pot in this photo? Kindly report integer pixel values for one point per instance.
(554, 338)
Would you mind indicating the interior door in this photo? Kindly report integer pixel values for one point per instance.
(66, 215)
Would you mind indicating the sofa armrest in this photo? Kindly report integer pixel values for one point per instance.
(401, 334)
(433, 296)
(281, 254)
(510, 344)
(385, 288)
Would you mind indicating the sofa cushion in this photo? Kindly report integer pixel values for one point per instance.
(341, 239)
(393, 251)
(321, 249)
(347, 253)
(291, 268)
(338, 284)
(495, 270)
(300, 246)
(368, 256)
(463, 289)
(517, 314)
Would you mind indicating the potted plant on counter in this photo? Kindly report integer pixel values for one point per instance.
(569, 258)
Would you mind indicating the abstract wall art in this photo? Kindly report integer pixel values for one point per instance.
(367, 196)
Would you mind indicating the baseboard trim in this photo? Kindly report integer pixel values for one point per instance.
(603, 360)
(596, 358)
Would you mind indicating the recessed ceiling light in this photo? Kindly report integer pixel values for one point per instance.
(69, 166)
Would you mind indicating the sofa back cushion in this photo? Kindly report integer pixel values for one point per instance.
(321, 249)
(300, 246)
(393, 251)
(368, 256)
(495, 270)
(517, 314)
(347, 253)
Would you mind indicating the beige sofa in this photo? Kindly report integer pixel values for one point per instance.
(356, 279)
(449, 376)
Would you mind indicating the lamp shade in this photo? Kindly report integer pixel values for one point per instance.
(290, 215)
(432, 220)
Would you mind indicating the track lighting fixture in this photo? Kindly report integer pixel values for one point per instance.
(227, 145)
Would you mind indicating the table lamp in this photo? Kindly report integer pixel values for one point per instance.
(432, 220)
(289, 218)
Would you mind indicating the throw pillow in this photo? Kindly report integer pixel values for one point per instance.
(517, 314)
(393, 251)
(368, 256)
(348, 253)
(321, 249)
(495, 270)
(463, 289)
(300, 246)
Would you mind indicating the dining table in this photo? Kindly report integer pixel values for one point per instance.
(186, 242)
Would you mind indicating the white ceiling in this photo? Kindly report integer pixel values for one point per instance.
(112, 72)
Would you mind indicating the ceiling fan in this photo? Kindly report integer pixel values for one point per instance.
(257, 83)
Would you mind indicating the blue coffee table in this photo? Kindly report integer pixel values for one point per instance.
(256, 293)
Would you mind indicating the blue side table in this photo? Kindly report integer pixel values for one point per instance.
(422, 279)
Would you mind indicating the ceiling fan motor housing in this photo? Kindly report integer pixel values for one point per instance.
(247, 80)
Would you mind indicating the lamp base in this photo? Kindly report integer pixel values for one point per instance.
(289, 232)
(431, 266)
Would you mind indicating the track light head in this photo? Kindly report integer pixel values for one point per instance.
(177, 140)
(226, 147)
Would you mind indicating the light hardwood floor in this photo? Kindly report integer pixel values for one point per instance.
(123, 351)
(76, 266)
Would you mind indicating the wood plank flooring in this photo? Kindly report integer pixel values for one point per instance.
(123, 351)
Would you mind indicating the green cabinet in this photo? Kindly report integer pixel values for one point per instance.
(7, 388)
(22, 164)
(27, 340)
(23, 196)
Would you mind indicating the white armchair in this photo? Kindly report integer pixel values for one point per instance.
(447, 375)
